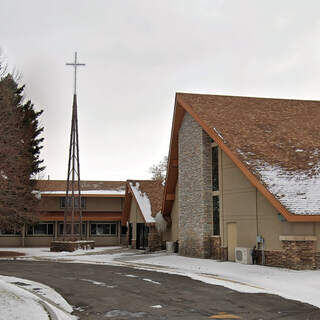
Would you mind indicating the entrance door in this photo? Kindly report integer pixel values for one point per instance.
(130, 234)
(142, 236)
(232, 240)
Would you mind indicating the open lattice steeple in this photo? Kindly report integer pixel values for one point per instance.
(72, 225)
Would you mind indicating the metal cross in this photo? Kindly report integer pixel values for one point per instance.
(75, 64)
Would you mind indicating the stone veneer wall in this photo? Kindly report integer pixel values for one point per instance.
(217, 251)
(273, 258)
(295, 254)
(195, 190)
(154, 239)
(299, 255)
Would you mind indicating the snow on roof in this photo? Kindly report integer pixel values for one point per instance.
(84, 192)
(297, 191)
(143, 202)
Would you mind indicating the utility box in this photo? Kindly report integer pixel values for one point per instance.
(170, 246)
(243, 255)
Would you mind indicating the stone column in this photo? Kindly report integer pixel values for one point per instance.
(154, 239)
(195, 190)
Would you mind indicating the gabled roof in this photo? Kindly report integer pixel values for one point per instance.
(148, 195)
(88, 188)
(274, 142)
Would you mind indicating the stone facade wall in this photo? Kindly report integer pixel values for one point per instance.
(217, 251)
(272, 258)
(195, 190)
(154, 239)
(318, 260)
(299, 255)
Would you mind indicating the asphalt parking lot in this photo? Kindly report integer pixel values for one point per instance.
(111, 292)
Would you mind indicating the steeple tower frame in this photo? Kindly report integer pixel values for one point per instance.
(73, 203)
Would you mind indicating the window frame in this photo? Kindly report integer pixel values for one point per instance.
(216, 217)
(13, 234)
(27, 234)
(105, 234)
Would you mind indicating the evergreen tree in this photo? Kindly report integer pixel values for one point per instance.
(20, 147)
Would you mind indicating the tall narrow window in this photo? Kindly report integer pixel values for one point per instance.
(215, 168)
(216, 216)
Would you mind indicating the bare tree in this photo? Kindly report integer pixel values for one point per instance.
(159, 171)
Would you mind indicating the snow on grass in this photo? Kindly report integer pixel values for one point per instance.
(25, 299)
(41, 290)
(143, 202)
(16, 304)
(45, 252)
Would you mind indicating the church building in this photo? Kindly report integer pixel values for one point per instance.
(245, 172)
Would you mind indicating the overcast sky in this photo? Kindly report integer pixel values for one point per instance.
(138, 53)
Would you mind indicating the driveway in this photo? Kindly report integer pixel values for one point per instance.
(112, 292)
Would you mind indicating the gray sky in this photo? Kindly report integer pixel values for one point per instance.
(138, 53)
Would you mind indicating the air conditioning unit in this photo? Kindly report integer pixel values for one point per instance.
(243, 255)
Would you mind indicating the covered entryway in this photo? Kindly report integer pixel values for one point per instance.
(232, 240)
(130, 234)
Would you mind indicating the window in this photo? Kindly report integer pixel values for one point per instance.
(215, 168)
(68, 228)
(216, 216)
(76, 202)
(124, 230)
(7, 232)
(41, 229)
(103, 229)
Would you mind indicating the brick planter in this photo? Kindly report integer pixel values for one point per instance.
(70, 246)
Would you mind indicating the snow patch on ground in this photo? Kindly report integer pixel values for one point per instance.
(21, 299)
(151, 281)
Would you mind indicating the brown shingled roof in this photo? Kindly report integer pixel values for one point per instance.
(263, 128)
(154, 191)
(275, 142)
(60, 185)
